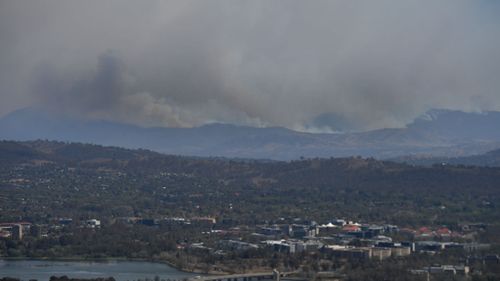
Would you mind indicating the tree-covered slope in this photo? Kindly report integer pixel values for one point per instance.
(50, 179)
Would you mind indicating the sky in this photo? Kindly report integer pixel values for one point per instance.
(317, 66)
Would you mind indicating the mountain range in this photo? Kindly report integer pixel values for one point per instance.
(438, 133)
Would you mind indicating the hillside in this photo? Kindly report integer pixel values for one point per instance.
(489, 159)
(438, 133)
(76, 179)
(65, 153)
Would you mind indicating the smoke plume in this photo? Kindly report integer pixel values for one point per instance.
(312, 66)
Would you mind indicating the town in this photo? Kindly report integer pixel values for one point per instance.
(336, 242)
(350, 219)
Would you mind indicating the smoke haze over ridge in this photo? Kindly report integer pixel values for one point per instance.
(314, 66)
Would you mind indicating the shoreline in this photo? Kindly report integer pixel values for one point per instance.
(101, 260)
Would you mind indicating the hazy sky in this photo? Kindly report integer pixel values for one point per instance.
(306, 65)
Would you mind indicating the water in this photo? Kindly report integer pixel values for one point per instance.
(120, 270)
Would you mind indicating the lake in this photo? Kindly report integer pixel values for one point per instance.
(120, 270)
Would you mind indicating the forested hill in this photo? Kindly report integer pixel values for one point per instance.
(61, 152)
(489, 159)
(43, 178)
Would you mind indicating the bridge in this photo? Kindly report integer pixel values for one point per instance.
(274, 275)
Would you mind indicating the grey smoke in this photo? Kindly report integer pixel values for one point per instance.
(316, 66)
